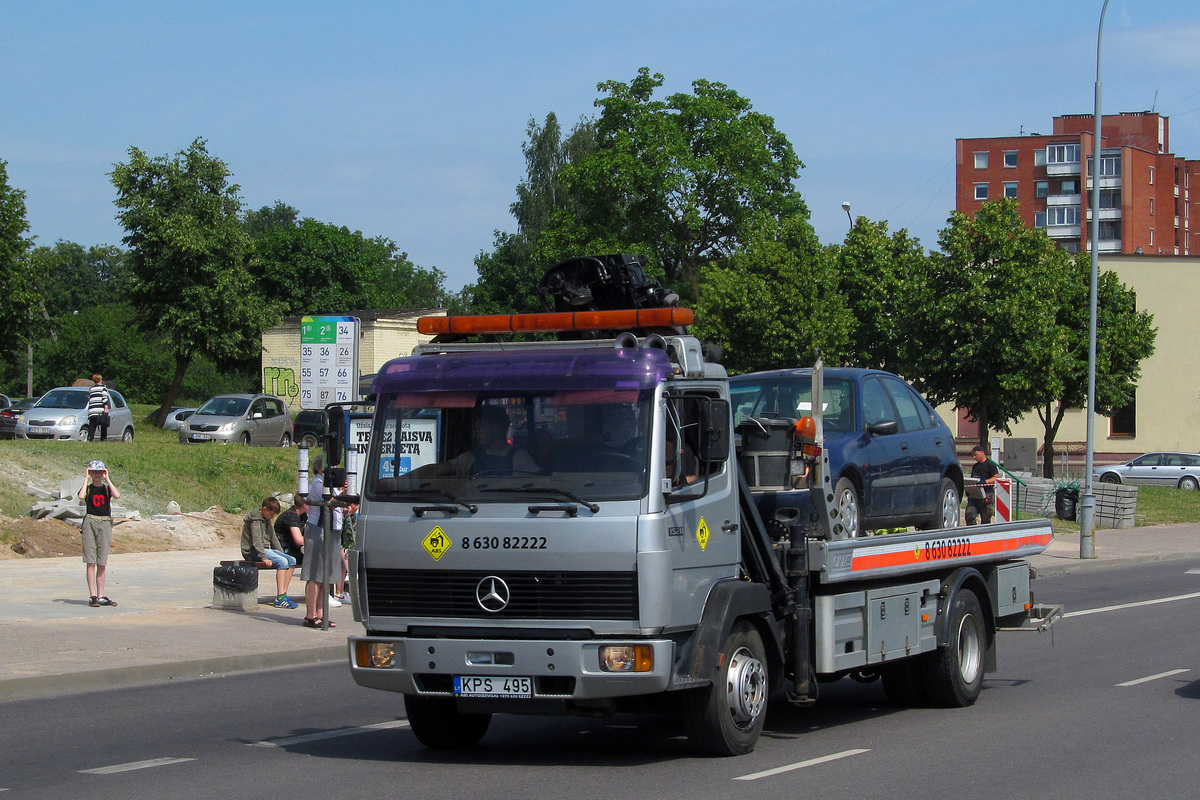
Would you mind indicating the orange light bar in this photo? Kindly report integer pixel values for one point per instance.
(562, 321)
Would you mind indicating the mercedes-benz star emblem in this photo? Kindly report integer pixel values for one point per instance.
(492, 594)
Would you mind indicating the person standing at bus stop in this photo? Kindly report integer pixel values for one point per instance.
(984, 473)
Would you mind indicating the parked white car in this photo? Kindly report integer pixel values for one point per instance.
(176, 417)
(62, 414)
(1181, 470)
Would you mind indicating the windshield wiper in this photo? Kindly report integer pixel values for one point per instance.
(592, 507)
(452, 498)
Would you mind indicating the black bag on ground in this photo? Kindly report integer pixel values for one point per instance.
(237, 577)
(1066, 501)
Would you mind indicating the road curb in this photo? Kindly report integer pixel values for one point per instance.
(119, 677)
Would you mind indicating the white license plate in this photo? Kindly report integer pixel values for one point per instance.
(201, 437)
(42, 430)
(479, 686)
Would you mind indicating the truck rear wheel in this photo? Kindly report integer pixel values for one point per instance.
(437, 722)
(726, 718)
(953, 674)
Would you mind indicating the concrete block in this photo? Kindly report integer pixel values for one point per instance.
(226, 599)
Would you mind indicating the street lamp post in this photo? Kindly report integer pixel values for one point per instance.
(846, 207)
(1087, 507)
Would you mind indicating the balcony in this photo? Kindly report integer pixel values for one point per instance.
(1105, 246)
(1063, 168)
(1062, 199)
(1063, 231)
(1106, 213)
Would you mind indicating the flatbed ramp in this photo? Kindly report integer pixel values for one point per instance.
(899, 554)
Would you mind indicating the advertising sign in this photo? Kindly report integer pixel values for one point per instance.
(328, 361)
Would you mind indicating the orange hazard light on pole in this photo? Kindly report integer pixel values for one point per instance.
(559, 321)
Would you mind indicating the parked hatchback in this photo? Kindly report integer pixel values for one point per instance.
(9, 416)
(62, 414)
(891, 457)
(1180, 470)
(259, 419)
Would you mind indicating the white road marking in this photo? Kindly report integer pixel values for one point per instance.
(1192, 572)
(314, 737)
(812, 762)
(1086, 611)
(153, 762)
(1154, 677)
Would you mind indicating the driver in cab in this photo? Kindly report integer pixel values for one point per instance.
(490, 452)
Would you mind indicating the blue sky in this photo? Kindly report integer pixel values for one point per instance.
(406, 119)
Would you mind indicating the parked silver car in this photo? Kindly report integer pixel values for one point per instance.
(260, 419)
(175, 418)
(1156, 469)
(62, 414)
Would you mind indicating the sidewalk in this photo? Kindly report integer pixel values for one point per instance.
(164, 627)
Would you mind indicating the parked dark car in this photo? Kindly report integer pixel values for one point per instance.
(309, 427)
(892, 458)
(9, 415)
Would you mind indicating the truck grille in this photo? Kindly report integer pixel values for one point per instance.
(531, 595)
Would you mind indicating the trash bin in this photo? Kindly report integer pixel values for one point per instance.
(1066, 501)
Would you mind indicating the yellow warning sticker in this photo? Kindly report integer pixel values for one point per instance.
(917, 552)
(437, 542)
(702, 534)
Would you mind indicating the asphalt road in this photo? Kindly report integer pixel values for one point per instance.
(1103, 707)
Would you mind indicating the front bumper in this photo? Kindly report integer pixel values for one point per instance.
(561, 670)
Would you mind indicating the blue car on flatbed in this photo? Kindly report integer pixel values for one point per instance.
(892, 459)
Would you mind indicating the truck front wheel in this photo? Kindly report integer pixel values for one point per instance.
(953, 674)
(726, 718)
(437, 722)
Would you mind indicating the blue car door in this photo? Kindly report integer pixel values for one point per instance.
(885, 459)
(921, 443)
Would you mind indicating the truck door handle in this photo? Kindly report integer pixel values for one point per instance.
(729, 527)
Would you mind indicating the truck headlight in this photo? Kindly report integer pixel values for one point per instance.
(376, 655)
(627, 658)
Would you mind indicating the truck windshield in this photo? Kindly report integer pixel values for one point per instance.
(513, 447)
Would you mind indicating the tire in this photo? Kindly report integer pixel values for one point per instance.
(726, 718)
(1110, 477)
(437, 722)
(1189, 483)
(286, 441)
(127, 436)
(849, 507)
(953, 674)
(246, 438)
(308, 440)
(948, 510)
(902, 684)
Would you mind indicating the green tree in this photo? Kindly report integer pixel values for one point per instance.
(19, 279)
(77, 277)
(688, 178)
(875, 270)
(775, 303)
(980, 327)
(1124, 338)
(187, 255)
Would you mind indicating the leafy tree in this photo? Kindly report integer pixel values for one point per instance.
(187, 256)
(509, 275)
(980, 327)
(280, 216)
(77, 278)
(689, 177)
(18, 278)
(775, 303)
(1124, 338)
(875, 270)
(313, 267)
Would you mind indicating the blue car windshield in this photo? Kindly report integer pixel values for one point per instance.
(790, 397)
(63, 398)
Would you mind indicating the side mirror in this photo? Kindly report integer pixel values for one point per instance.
(335, 428)
(718, 431)
(884, 427)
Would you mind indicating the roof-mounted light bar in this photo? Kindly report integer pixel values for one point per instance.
(562, 321)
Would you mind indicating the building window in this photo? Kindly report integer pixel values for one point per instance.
(1062, 215)
(1152, 237)
(1152, 176)
(1010, 189)
(1110, 229)
(1152, 206)
(1039, 219)
(1110, 198)
(1123, 422)
(981, 160)
(1010, 159)
(1069, 187)
(1039, 157)
(981, 191)
(1041, 188)
(1062, 154)
(1110, 166)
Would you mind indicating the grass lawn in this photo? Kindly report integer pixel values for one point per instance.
(151, 471)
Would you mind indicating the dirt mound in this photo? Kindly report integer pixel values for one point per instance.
(45, 538)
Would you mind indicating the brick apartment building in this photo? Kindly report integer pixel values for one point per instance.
(1145, 198)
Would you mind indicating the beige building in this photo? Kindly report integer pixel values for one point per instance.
(1166, 412)
(383, 335)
